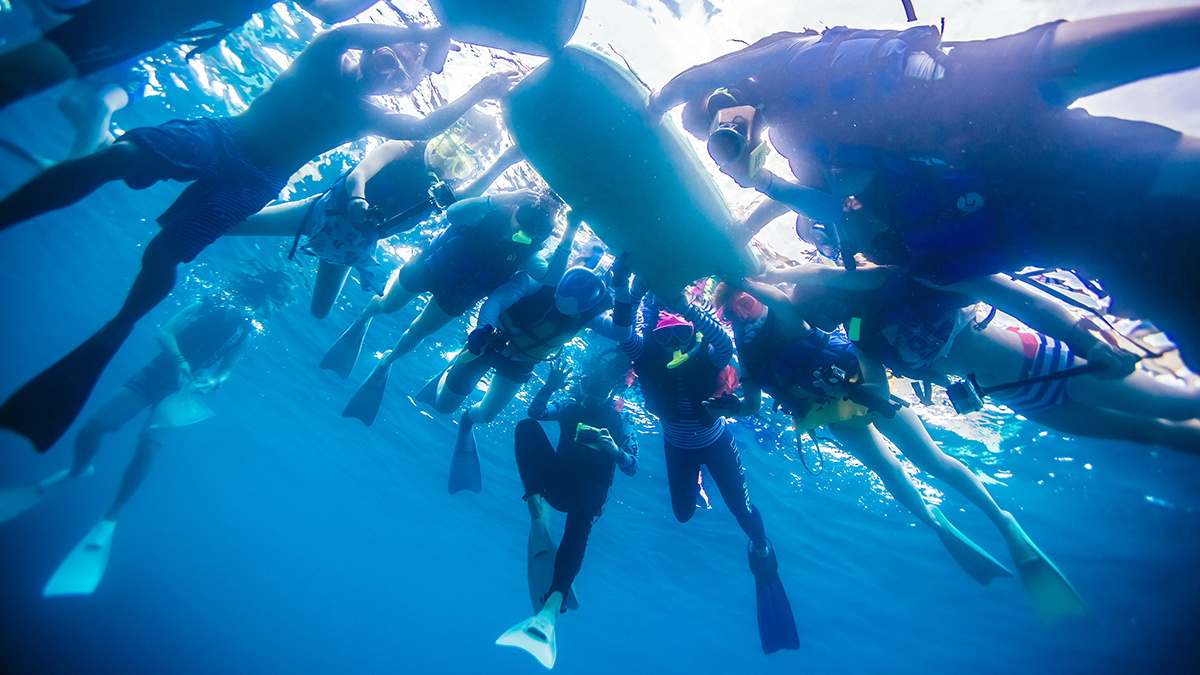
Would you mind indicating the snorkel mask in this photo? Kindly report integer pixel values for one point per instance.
(451, 157)
(676, 334)
(578, 291)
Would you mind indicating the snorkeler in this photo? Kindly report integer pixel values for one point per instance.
(522, 323)
(965, 161)
(596, 435)
(200, 347)
(682, 361)
(239, 164)
(933, 333)
(387, 193)
(487, 241)
(823, 381)
(102, 33)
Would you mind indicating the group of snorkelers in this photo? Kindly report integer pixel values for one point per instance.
(926, 174)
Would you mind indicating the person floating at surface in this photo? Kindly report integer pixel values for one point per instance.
(681, 361)
(239, 164)
(200, 347)
(596, 435)
(823, 381)
(487, 241)
(102, 33)
(521, 324)
(388, 192)
(966, 161)
(931, 333)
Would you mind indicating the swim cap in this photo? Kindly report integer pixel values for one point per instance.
(672, 330)
(578, 291)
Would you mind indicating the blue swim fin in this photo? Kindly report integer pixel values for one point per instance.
(542, 552)
(1052, 596)
(83, 569)
(776, 624)
(364, 405)
(45, 407)
(342, 356)
(974, 560)
(428, 393)
(464, 465)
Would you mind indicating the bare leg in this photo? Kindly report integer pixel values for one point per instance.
(135, 473)
(1093, 55)
(1078, 419)
(90, 111)
(328, 286)
(427, 323)
(1138, 394)
(910, 436)
(867, 444)
(66, 183)
(499, 393)
(277, 220)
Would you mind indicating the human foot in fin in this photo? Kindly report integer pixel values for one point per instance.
(542, 552)
(776, 624)
(365, 403)
(1053, 597)
(974, 560)
(342, 356)
(83, 569)
(536, 634)
(17, 500)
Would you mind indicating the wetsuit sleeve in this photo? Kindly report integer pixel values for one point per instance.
(720, 349)
(521, 285)
(537, 267)
(603, 325)
(540, 407)
(821, 207)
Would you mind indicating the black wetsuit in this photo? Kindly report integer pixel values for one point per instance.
(574, 478)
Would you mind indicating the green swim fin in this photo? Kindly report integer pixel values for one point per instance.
(974, 560)
(540, 569)
(17, 500)
(536, 636)
(1053, 597)
(464, 464)
(342, 356)
(45, 407)
(82, 570)
(776, 624)
(365, 403)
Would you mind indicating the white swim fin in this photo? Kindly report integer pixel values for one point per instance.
(83, 569)
(536, 636)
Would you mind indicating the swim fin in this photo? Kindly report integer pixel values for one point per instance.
(1053, 597)
(365, 403)
(428, 393)
(540, 568)
(464, 464)
(81, 572)
(45, 407)
(17, 500)
(342, 356)
(974, 560)
(776, 625)
(536, 636)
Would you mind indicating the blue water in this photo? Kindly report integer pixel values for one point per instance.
(279, 537)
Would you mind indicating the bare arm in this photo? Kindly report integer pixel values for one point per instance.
(393, 125)
(509, 157)
(168, 338)
(706, 77)
(808, 276)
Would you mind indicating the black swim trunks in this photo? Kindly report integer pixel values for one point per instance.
(227, 187)
(466, 372)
